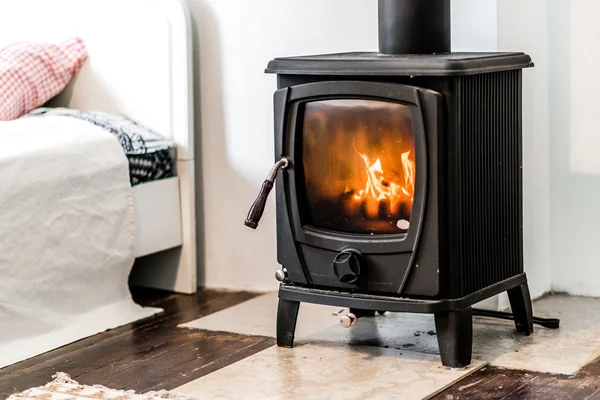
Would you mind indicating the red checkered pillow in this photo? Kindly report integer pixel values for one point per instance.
(33, 73)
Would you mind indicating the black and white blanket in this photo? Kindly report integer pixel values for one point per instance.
(150, 155)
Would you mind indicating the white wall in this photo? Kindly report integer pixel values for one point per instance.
(561, 140)
(236, 40)
(474, 25)
(575, 145)
(523, 26)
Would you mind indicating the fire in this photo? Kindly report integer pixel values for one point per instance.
(358, 161)
(409, 175)
(378, 188)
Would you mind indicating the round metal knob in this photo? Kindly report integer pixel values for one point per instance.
(281, 274)
(347, 266)
(348, 320)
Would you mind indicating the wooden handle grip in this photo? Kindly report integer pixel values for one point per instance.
(258, 207)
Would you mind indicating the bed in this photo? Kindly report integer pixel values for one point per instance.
(139, 65)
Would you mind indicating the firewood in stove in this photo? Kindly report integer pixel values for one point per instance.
(350, 206)
(405, 211)
(370, 208)
(385, 211)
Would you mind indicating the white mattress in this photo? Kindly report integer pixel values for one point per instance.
(115, 79)
(66, 235)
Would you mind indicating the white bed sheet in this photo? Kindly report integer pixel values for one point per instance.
(66, 235)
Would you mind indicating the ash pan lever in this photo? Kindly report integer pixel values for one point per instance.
(258, 207)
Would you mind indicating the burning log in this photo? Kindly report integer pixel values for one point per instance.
(384, 209)
(381, 198)
(350, 205)
(370, 208)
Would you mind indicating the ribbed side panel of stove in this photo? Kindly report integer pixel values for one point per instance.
(489, 179)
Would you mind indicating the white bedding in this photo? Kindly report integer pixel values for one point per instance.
(66, 235)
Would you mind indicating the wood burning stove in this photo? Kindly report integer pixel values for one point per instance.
(401, 187)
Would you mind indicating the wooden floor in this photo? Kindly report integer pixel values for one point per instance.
(504, 384)
(151, 354)
(154, 354)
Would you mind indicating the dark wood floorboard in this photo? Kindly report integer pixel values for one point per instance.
(493, 383)
(592, 369)
(150, 354)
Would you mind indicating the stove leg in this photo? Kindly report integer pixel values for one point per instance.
(520, 303)
(287, 314)
(455, 337)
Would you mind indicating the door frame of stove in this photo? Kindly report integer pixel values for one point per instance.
(425, 106)
(369, 244)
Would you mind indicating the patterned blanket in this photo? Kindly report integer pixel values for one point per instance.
(150, 155)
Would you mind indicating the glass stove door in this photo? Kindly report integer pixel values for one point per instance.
(358, 160)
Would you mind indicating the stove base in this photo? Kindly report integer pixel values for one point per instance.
(453, 318)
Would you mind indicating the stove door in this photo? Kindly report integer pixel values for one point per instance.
(351, 207)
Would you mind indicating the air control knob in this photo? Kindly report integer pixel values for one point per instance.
(347, 266)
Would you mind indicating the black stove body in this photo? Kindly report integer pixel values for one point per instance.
(403, 186)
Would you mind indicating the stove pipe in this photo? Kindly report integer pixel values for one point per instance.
(414, 26)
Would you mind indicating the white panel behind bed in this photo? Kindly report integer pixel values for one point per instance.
(139, 65)
(138, 61)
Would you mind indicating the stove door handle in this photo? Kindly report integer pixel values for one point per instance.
(256, 211)
(258, 207)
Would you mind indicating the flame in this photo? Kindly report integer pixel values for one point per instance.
(409, 174)
(378, 187)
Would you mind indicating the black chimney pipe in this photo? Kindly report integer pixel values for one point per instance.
(414, 26)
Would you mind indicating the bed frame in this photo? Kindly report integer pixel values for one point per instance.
(140, 65)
